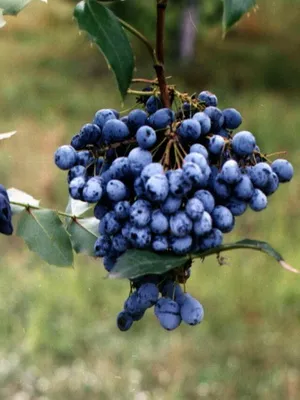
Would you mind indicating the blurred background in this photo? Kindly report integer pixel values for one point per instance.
(58, 338)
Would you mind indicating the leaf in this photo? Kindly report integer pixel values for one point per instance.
(83, 233)
(76, 207)
(135, 263)
(106, 31)
(18, 196)
(8, 134)
(12, 7)
(44, 234)
(248, 244)
(234, 10)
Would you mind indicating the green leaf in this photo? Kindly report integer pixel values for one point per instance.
(7, 135)
(83, 233)
(76, 207)
(135, 263)
(234, 10)
(106, 31)
(44, 234)
(18, 196)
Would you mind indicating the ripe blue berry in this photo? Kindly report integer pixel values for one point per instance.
(206, 198)
(231, 172)
(194, 208)
(199, 148)
(208, 98)
(223, 219)
(258, 201)
(146, 137)
(65, 157)
(216, 144)
(180, 224)
(116, 190)
(136, 119)
(216, 118)
(168, 313)
(138, 159)
(157, 188)
(171, 204)
(124, 321)
(232, 118)
(181, 245)
(243, 143)
(189, 129)
(159, 222)
(115, 130)
(102, 116)
(160, 243)
(162, 118)
(147, 295)
(191, 311)
(204, 122)
(283, 169)
(204, 225)
(92, 191)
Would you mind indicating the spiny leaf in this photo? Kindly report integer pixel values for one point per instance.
(18, 196)
(106, 31)
(44, 234)
(135, 263)
(83, 233)
(76, 207)
(234, 10)
(8, 134)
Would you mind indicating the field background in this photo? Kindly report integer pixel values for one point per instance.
(58, 338)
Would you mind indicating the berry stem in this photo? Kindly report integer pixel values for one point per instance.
(161, 6)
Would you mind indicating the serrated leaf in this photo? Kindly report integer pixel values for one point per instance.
(106, 31)
(8, 134)
(18, 196)
(83, 233)
(12, 7)
(43, 232)
(76, 207)
(234, 10)
(135, 263)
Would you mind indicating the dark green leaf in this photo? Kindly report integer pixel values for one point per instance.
(135, 263)
(44, 234)
(83, 233)
(106, 31)
(234, 10)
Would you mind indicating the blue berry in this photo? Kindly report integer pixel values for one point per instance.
(191, 311)
(5, 213)
(204, 122)
(180, 224)
(272, 185)
(231, 172)
(146, 137)
(168, 313)
(258, 201)
(221, 189)
(76, 188)
(65, 157)
(171, 205)
(140, 238)
(192, 173)
(204, 225)
(194, 208)
(77, 142)
(121, 168)
(114, 130)
(243, 190)
(181, 245)
(138, 159)
(124, 321)
(109, 262)
(157, 188)
(100, 210)
(140, 215)
(90, 134)
(102, 116)
(232, 118)
(116, 190)
(92, 191)
(109, 224)
(119, 243)
(216, 144)
(153, 104)
(243, 143)
(160, 243)
(122, 209)
(78, 170)
(189, 129)
(162, 118)
(178, 186)
(159, 222)
(150, 170)
(85, 158)
(236, 206)
(136, 119)
(199, 148)
(216, 118)
(173, 290)
(132, 305)
(212, 240)
(208, 98)
(102, 246)
(139, 187)
(223, 219)
(147, 295)
(283, 169)
(260, 174)
(206, 198)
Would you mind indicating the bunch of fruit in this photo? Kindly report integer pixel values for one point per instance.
(167, 180)
(5, 213)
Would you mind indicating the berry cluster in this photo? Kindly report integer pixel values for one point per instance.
(169, 180)
(5, 213)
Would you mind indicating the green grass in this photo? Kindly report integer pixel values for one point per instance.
(58, 338)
